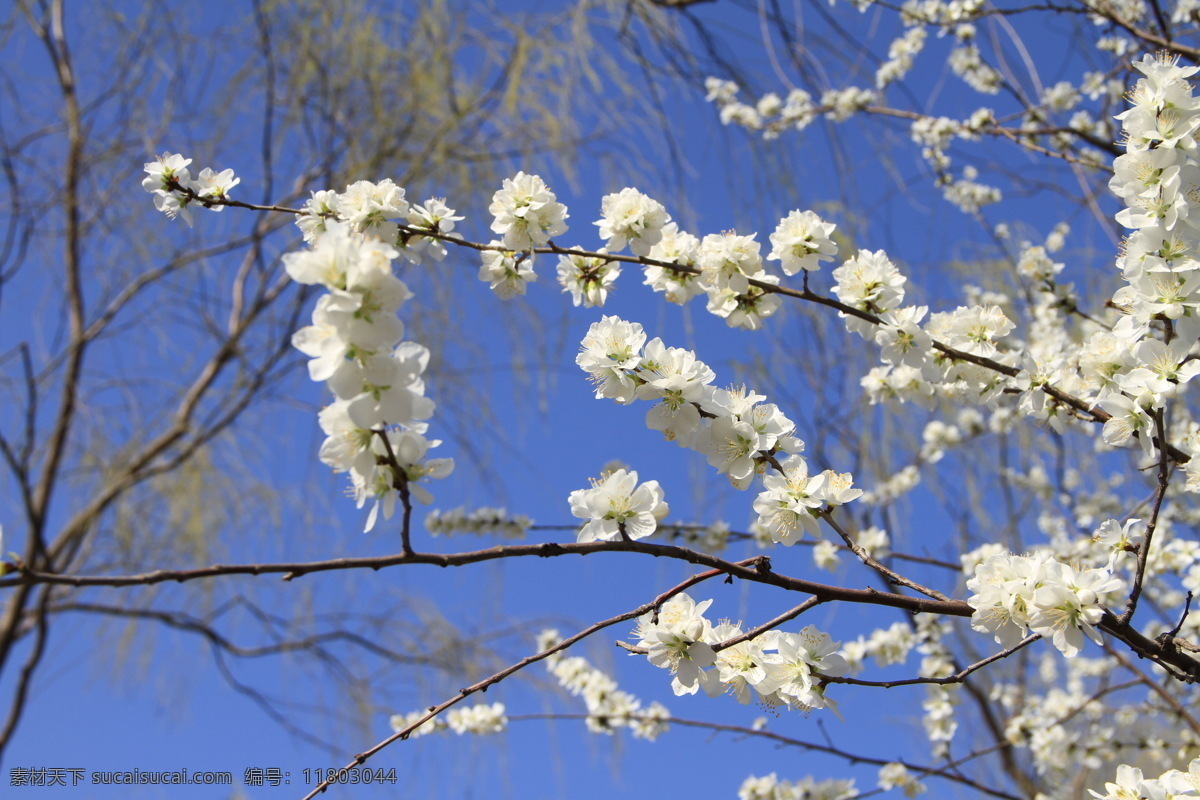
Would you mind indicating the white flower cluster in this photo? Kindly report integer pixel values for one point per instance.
(968, 194)
(826, 555)
(726, 267)
(631, 218)
(608, 706)
(481, 719)
(901, 384)
(940, 719)
(371, 208)
(1059, 718)
(617, 508)
(478, 522)
(774, 669)
(934, 134)
(968, 64)
(737, 432)
(1013, 595)
(875, 541)
(507, 272)
(914, 370)
(381, 211)
(526, 213)
(870, 282)
(952, 16)
(841, 104)
(771, 115)
(897, 776)
(436, 217)
(588, 278)
(791, 499)
(727, 263)
(376, 422)
(675, 247)
(901, 53)
(1157, 178)
(1171, 785)
(1062, 96)
(174, 188)
(1120, 540)
(1185, 11)
(802, 241)
(886, 646)
(769, 787)
(1035, 264)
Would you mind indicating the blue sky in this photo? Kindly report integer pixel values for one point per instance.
(165, 707)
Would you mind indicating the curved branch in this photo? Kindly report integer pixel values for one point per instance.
(757, 569)
(1083, 407)
(486, 683)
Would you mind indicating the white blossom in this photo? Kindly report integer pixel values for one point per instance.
(618, 508)
(631, 218)
(526, 213)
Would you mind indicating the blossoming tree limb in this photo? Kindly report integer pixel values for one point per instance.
(1114, 376)
(741, 437)
(139, 366)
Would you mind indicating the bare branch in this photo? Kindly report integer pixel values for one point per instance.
(757, 569)
(486, 683)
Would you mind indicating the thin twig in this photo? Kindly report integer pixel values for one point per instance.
(890, 575)
(486, 683)
(957, 677)
(1160, 493)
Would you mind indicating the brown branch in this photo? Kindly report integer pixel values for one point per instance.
(1155, 687)
(679, 531)
(757, 569)
(891, 576)
(770, 625)
(1160, 493)
(958, 677)
(1177, 663)
(182, 621)
(53, 38)
(142, 464)
(400, 484)
(145, 280)
(18, 459)
(486, 683)
(25, 680)
(1106, 10)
